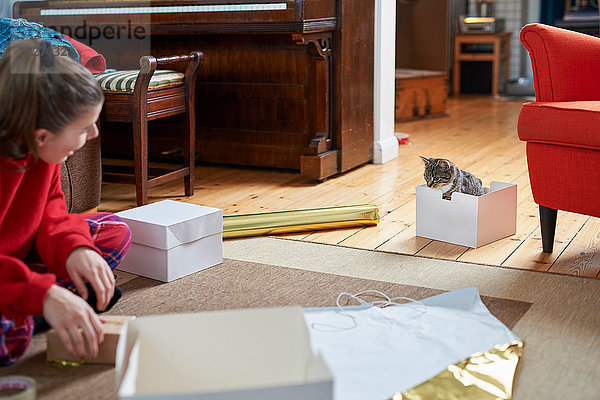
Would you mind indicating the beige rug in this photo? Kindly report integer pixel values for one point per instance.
(556, 315)
(561, 329)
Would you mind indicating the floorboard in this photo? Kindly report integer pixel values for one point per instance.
(479, 135)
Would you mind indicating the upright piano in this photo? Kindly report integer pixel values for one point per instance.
(285, 83)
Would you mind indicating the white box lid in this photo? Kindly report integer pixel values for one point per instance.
(218, 351)
(170, 223)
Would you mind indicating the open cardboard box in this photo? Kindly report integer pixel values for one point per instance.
(172, 239)
(468, 220)
(247, 354)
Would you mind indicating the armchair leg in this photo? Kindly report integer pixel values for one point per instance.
(548, 227)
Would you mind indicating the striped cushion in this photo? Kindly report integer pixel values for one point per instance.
(124, 81)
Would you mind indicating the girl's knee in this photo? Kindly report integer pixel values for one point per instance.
(111, 236)
(108, 227)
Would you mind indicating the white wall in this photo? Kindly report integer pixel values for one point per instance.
(385, 144)
(533, 15)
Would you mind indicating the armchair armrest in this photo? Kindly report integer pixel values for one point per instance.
(566, 64)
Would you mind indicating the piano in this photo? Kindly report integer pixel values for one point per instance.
(285, 83)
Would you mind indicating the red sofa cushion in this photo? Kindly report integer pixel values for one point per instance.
(573, 123)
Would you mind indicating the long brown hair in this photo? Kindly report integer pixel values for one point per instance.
(39, 89)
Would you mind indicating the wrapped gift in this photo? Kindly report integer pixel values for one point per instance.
(172, 239)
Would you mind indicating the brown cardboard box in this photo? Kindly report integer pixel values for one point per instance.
(113, 327)
(420, 93)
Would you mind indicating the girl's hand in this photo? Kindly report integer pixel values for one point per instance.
(85, 263)
(74, 321)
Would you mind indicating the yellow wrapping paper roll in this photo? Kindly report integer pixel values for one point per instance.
(271, 223)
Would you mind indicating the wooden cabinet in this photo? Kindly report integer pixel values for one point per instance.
(500, 53)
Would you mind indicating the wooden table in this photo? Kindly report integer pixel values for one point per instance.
(500, 52)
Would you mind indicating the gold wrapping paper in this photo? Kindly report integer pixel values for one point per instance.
(271, 223)
(489, 375)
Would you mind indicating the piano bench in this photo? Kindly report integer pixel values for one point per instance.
(137, 97)
(124, 81)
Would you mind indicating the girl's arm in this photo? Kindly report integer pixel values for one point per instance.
(22, 291)
(60, 232)
(66, 246)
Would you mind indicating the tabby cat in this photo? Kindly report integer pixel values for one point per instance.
(442, 174)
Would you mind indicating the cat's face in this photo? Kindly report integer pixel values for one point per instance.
(438, 172)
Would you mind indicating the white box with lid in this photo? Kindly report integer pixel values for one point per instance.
(172, 239)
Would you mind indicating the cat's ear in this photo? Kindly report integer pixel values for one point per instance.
(425, 160)
(444, 164)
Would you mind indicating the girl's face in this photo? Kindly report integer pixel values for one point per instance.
(54, 148)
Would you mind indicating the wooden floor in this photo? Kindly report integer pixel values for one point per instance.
(479, 135)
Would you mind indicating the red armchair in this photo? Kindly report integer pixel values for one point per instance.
(562, 127)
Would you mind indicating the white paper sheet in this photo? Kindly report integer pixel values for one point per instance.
(395, 348)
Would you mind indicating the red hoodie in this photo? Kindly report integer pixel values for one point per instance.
(33, 214)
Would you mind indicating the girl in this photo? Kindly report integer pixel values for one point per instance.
(49, 106)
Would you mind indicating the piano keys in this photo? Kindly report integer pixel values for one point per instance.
(197, 8)
(285, 83)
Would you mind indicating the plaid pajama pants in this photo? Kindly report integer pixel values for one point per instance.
(111, 236)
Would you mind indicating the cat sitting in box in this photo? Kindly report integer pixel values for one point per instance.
(442, 174)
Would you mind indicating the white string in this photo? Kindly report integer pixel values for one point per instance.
(376, 303)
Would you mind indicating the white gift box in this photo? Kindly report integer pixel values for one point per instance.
(251, 354)
(172, 239)
(467, 220)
